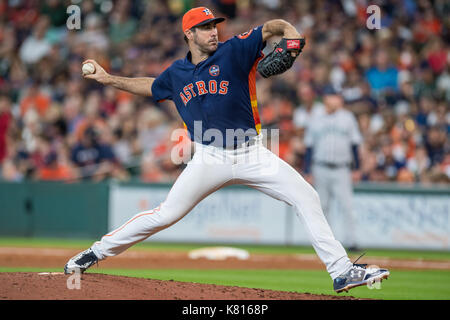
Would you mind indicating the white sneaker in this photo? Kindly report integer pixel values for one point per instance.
(81, 262)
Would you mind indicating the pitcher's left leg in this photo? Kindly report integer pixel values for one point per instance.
(286, 184)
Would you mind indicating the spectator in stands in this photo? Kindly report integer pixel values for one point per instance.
(383, 77)
(94, 160)
(53, 170)
(310, 106)
(36, 46)
(5, 123)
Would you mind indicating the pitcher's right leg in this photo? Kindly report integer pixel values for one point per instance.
(202, 176)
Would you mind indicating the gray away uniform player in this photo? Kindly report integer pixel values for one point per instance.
(332, 141)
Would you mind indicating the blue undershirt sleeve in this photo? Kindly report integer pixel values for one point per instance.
(355, 156)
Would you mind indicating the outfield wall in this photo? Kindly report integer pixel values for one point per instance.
(387, 216)
(45, 209)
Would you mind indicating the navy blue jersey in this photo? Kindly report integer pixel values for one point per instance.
(218, 93)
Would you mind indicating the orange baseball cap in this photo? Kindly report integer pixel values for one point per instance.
(197, 17)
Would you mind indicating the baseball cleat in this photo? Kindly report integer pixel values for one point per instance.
(359, 275)
(81, 262)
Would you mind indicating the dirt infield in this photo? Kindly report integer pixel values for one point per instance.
(143, 259)
(96, 286)
(35, 286)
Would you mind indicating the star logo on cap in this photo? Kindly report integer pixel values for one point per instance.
(207, 12)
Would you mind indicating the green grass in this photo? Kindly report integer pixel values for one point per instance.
(255, 249)
(408, 285)
(402, 285)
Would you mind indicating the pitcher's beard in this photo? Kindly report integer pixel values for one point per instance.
(208, 47)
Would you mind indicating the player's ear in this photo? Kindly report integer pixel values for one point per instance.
(188, 35)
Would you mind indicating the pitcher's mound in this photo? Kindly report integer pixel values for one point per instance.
(94, 286)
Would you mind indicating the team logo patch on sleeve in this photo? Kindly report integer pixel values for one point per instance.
(245, 34)
(214, 70)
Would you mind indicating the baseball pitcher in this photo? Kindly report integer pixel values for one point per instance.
(214, 91)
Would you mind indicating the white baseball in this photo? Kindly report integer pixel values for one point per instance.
(88, 68)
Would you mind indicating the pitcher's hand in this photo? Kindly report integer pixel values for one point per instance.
(99, 75)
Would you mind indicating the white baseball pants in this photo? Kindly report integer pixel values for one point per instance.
(212, 168)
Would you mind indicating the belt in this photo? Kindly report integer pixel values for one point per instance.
(332, 165)
(251, 142)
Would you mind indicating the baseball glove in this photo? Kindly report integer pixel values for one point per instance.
(281, 58)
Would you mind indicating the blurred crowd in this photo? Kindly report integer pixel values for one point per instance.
(55, 125)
